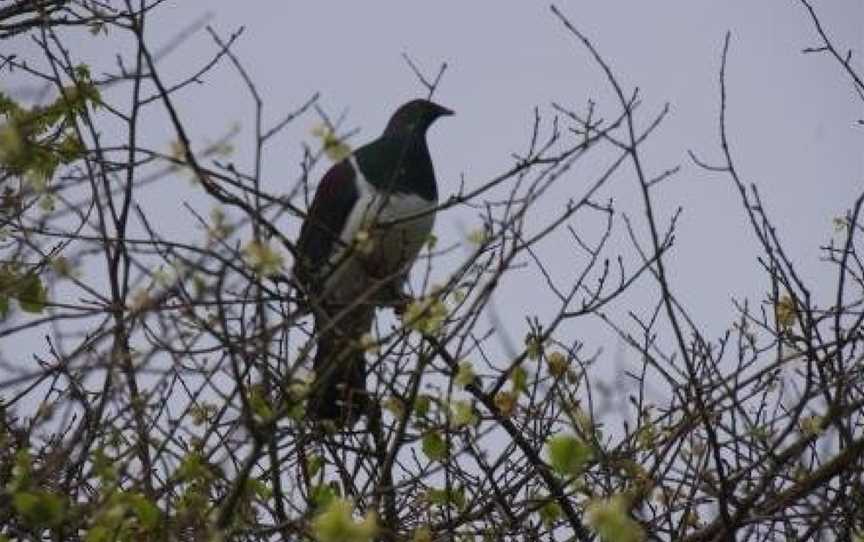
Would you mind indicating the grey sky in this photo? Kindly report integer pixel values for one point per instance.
(791, 115)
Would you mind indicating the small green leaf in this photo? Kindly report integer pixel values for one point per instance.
(442, 497)
(568, 454)
(478, 236)
(40, 508)
(194, 468)
(550, 513)
(314, 464)
(148, 514)
(647, 436)
(465, 375)
(260, 405)
(265, 260)
(457, 497)
(337, 524)
(70, 148)
(519, 379)
(506, 402)
(21, 470)
(258, 489)
(321, 495)
(557, 364)
(434, 446)
(82, 71)
(422, 405)
(533, 347)
(395, 406)
(610, 519)
(8, 106)
(426, 315)
(437, 496)
(785, 312)
(31, 294)
(104, 466)
(462, 413)
(811, 426)
(333, 147)
(100, 533)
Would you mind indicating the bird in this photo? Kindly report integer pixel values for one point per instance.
(371, 214)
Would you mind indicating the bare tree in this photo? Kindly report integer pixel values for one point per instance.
(157, 380)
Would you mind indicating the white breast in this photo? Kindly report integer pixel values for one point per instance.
(390, 250)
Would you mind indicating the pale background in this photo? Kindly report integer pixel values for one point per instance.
(791, 116)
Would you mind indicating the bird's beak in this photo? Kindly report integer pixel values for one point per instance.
(444, 112)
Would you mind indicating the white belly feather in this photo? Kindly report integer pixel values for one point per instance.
(374, 252)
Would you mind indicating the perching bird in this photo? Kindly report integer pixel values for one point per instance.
(354, 253)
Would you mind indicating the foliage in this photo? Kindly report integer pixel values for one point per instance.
(337, 524)
(156, 355)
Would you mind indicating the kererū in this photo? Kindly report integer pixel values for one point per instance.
(354, 253)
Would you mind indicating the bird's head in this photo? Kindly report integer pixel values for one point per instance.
(415, 117)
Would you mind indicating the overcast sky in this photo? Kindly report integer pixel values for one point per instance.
(792, 116)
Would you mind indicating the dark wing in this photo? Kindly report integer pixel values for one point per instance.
(335, 197)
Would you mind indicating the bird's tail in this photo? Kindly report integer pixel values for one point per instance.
(339, 391)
